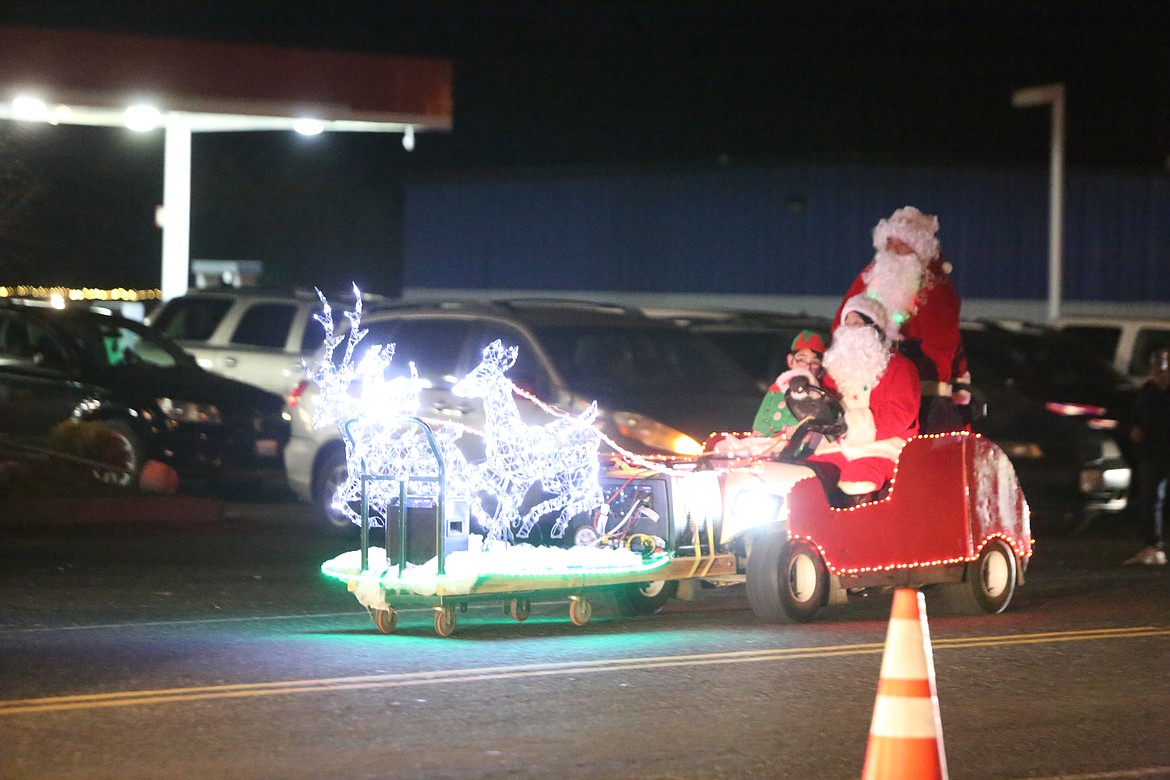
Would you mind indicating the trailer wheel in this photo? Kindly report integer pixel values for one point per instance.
(988, 586)
(644, 598)
(785, 580)
(520, 609)
(580, 610)
(444, 620)
(386, 620)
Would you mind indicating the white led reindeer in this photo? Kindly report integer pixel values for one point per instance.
(562, 455)
(379, 439)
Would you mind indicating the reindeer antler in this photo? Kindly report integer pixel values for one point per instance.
(335, 378)
(503, 357)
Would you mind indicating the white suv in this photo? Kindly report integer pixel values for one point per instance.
(252, 335)
(1126, 342)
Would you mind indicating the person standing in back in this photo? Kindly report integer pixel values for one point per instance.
(1150, 434)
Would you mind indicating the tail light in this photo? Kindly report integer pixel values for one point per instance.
(294, 395)
(1074, 410)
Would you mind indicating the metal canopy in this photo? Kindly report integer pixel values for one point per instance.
(186, 86)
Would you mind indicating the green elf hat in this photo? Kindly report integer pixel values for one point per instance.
(808, 339)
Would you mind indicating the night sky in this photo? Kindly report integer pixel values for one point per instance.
(553, 83)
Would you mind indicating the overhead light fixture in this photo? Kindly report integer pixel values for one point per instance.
(141, 118)
(308, 126)
(408, 138)
(30, 109)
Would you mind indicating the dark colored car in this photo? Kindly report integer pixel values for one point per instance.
(57, 365)
(1058, 410)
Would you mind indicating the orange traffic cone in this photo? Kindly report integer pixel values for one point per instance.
(905, 736)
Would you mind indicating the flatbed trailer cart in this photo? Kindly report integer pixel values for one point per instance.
(449, 577)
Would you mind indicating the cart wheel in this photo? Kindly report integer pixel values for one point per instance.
(386, 620)
(580, 610)
(988, 587)
(785, 581)
(444, 620)
(520, 609)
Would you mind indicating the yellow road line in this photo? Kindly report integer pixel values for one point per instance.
(434, 677)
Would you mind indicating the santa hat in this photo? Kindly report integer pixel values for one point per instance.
(785, 379)
(808, 339)
(872, 310)
(911, 226)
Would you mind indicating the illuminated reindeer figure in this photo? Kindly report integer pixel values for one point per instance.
(372, 422)
(561, 455)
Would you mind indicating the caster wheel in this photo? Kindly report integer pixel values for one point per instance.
(520, 609)
(444, 620)
(580, 610)
(386, 620)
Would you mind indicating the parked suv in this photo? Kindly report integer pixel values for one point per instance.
(660, 388)
(1126, 342)
(252, 335)
(758, 340)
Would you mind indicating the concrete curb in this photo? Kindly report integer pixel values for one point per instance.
(152, 510)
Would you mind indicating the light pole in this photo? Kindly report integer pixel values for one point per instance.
(1051, 94)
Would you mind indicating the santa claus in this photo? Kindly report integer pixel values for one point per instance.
(880, 393)
(910, 278)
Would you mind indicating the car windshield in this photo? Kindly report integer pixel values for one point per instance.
(121, 343)
(589, 356)
(1045, 359)
(1068, 366)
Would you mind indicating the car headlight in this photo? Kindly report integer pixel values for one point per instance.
(654, 434)
(190, 411)
(752, 507)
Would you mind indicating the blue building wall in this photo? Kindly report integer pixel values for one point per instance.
(796, 230)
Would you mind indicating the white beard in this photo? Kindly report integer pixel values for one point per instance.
(857, 358)
(894, 280)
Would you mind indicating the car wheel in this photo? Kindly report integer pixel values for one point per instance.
(583, 535)
(644, 598)
(785, 580)
(329, 474)
(988, 583)
(132, 448)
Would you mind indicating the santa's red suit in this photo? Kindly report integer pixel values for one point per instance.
(880, 421)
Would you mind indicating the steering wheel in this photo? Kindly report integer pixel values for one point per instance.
(798, 446)
(823, 414)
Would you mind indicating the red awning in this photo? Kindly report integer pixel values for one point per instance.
(106, 69)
